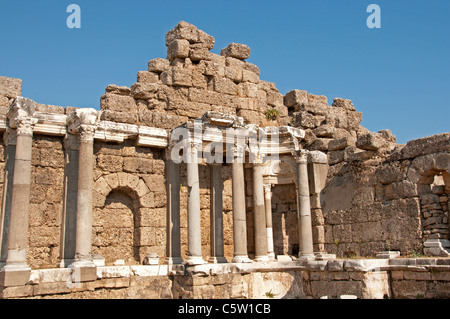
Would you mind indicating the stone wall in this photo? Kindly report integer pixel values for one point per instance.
(333, 279)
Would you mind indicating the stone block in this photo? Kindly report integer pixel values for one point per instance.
(370, 141)
(178, 49)
(249, 76)
(224, 85)
(342, 143)
(181, 76)
(317, 99)
(295, 97)
(147, 77)
(236, 50)
(10, 87)
(346, 104)
(158, 65)
(13, 277)
(115, 102)
(426, 145)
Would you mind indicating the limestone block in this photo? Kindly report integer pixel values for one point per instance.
(181, 76)
(306, 120)
(249, 76)
(138, 165)
(4, 102)
(426, 145)
(10, 87)
(236, 50)
(342, 143)
(346, 104)
(233, 74)
(317, 99)
(119, 117)
(158, 65)
(198, 52)
(189, 32)
(370, 141)
(147, 77)
(274, 98)
(144, 91)
(295, 97)
(120, 90)
(178, 49)
(224, 85)
(116, 102)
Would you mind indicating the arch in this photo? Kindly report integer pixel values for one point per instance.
(431, 173)
(117, 217)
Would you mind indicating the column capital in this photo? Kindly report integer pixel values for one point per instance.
(83, 122)
(301, 156)
(267, 187)
(20, 116)
(25, 125)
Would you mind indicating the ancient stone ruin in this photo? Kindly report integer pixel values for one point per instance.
(300, 200)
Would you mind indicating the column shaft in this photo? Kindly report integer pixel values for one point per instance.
(239, 213)
(173, 249)
(194, 217)
(20, 203)
(217, 254)
(259, 214)
(304, 214)
(83, 240)
(269, 229)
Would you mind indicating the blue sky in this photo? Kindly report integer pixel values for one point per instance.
(398, 75)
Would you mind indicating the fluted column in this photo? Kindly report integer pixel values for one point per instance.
(173, 249)
(217, 254)
(16, 270)
(259, 215)
(194, 217)
(304, 208)
(269, 229)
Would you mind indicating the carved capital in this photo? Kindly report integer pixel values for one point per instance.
(83, 122)
(24, 125)
(301, 156)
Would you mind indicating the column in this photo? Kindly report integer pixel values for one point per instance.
(217, 254)
(193, 209)
(259, 214)
(269, 231)
(68, 231)
(9, 140)
(304, 208)
(239, 213)
(16, 271)
(173, 249)
(84, 125)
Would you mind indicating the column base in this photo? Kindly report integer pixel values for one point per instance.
(15, 275)
(83, 270)
(217, 260)
(261, 258)
(194, 260)
(241, 259)
(271, 256)
(306, 257)
(174, 260)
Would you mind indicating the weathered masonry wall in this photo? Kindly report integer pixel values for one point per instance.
(98, 189)
(362, 279)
